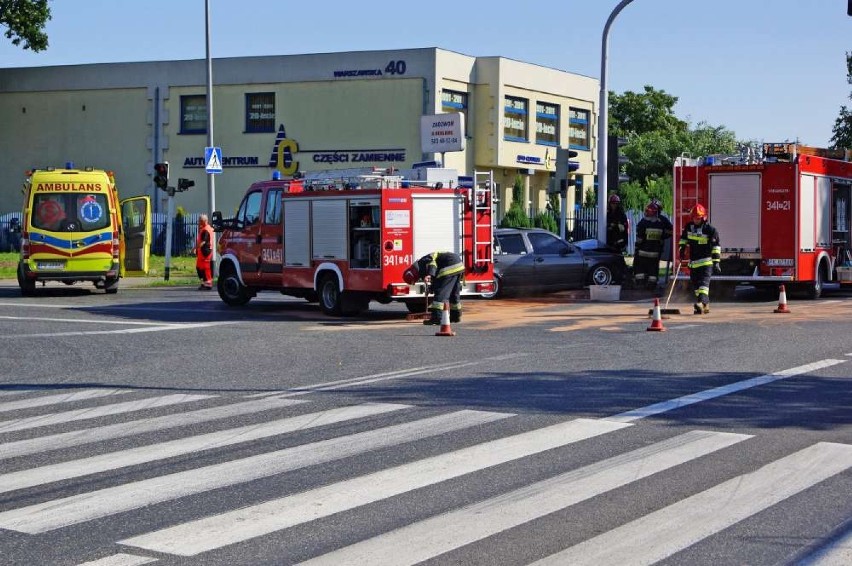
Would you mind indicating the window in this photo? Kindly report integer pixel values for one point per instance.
(549, 244)
(515, 119)
(547, 123)
(455, 101)
(193, 114)
(249, 212)
(511, 244)
(272, 213)
(67, 212)
(260, 112)
(578, 128)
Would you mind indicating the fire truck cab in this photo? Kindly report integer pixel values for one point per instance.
(783, 214)
(344, 238)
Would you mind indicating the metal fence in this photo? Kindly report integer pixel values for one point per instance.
(582, 224)
(184, 232)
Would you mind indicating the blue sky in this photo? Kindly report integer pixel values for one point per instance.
(770, 70)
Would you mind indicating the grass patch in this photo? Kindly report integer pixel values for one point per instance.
(180, 268)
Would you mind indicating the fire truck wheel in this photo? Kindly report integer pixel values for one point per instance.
(27, 285)
(231, 291)
(330, 299)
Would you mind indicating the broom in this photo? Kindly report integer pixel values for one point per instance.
(665, 309)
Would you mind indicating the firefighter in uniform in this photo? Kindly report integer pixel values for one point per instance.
(204, 253)
(444, 271)
(704, 255)
(651, 233)
(616, 224)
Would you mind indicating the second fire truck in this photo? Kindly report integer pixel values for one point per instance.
(345, 240)
(783, 216)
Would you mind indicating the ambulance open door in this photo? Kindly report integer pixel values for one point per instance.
(135, 236)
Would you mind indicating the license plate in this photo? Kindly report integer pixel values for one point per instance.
(50, 265)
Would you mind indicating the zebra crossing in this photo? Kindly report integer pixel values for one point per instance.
(74, 461)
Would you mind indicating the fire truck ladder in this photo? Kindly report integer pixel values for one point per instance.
(686, 195)
(482, 215)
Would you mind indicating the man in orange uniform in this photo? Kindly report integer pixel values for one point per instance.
(204, 253)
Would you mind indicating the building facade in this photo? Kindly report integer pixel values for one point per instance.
(294, 113)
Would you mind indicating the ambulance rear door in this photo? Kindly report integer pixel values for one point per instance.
(135, 235)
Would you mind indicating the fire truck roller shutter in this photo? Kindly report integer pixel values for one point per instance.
(436, 224)
(735, 209)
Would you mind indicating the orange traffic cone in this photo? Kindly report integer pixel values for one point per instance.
(656, 320)
(782, 301)
(445, 329)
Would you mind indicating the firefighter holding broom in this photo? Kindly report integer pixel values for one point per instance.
(444, 272)
(705, 252)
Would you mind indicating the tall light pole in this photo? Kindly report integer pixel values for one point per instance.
(603, 112)
(211, 178)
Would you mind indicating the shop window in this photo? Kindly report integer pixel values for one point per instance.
(260, 112)
(578, 129)
(364, 232)
(547, 123)
(193, 114)
(515, 119)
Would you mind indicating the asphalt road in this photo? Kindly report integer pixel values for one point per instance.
(160, 426)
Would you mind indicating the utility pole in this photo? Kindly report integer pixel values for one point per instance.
(603, 112)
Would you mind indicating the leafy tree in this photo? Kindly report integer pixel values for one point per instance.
(516, 216)
(25, 21)
(634, 113)
(842, 132)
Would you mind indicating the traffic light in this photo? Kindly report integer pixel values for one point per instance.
(615, 163)
(161, 175)
(185, 184)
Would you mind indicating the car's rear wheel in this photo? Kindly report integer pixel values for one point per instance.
(27, 285)
(601, 275)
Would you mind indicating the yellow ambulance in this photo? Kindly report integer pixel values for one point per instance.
(75, 229)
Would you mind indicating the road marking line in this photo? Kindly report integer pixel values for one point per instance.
(120, 560)
(661, 534)
(838, 552)
(384, 376)
(162, 327)
(79, 395)
(194, 537)
(429, 538)
(84, 321)
(38, 421)
(140, 426)
(190, 445)
(83, 507)
(686, 400)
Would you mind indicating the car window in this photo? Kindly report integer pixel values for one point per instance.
(510, 244)
(250, 209)
(273, 207)
(545, 243)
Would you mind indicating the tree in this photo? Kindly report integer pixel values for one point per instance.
(25, 21)
(633, 113)
(842, 132)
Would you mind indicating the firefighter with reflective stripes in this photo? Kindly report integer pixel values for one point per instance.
(705, 252)
(444, 271)
(651, 233)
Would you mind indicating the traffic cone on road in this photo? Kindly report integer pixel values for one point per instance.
(445, 329)
(656, 320)
(782, 301)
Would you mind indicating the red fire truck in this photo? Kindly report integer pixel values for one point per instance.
(783, 216)
(344, 240)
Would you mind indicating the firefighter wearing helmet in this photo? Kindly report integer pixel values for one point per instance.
(444, 272)
(651, 233)
(616, 224)
(705, 252)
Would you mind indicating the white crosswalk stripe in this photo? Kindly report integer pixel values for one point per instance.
(50, 419)
(87, 506)
(427, 539)
(462, 446)
(664, 532)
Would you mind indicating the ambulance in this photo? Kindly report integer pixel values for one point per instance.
(75, 229)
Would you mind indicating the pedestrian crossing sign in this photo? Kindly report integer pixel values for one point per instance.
(213, 159)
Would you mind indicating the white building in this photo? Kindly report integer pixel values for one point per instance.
(329, 110)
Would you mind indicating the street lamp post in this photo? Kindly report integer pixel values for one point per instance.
(211, 178)
(603, 111)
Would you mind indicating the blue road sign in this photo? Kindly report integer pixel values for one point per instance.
(213, 159)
